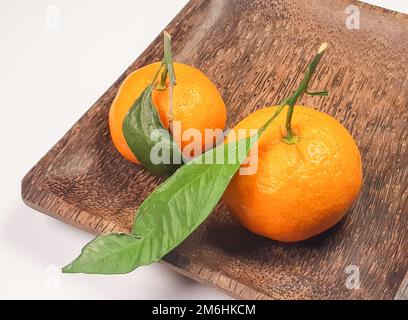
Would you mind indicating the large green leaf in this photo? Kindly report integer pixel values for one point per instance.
(144, 134)
(168, 215)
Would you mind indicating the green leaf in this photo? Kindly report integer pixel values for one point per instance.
(114, 251)
(144, 134)
(168, 215)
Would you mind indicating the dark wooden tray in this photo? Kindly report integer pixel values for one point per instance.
(255, 52)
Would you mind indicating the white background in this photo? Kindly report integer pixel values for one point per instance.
(51, 72)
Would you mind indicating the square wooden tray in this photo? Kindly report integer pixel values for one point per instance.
(255, 51)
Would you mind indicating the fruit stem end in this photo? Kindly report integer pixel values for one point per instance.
(290, 137)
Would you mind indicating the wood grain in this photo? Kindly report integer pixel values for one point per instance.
(255, 51)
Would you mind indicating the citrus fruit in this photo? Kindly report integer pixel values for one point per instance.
(197, 104)
(299, 190)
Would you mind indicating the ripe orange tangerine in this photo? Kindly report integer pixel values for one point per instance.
(197, 104)
(301, 189)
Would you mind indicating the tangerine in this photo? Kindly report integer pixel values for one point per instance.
(300, 189)
(197, 104)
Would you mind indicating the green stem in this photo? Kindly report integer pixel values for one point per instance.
(277, 112)
(290, 137)
(168, 62)
(168, 71)
(168, 58)
(157, 73)
(162, 84)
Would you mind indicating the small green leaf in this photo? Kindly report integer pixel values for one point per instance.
(144, 134)
(168, 216)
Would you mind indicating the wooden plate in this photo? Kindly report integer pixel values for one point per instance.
(255, 52)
